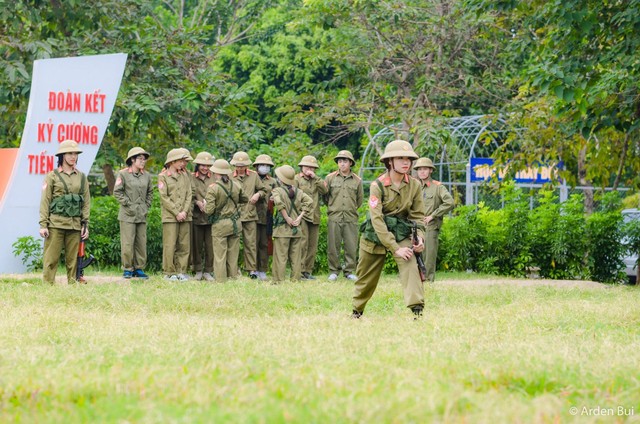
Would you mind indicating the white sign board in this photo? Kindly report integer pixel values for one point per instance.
(71, 98)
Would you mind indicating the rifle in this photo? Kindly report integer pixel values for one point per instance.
(82, 261)
(422, 269)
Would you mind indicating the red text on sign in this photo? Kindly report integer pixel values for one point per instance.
(68, 102)
(40, 164)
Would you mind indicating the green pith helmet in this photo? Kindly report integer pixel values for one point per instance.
(187, 155)
(222, 167)
(204, 158)
(136, 151)
(240, 159)
(309, 161)
(345, 154)
(423, 163)
(263, 160)
(68, 146)
(398, 149)
(286, 174)
(174, 155)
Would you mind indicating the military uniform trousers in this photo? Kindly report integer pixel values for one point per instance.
(310, 235)
(53, 245)
(337, 233)
(262, 242)
(176, 243)
(226, 250)
(201, 246)
(133, 245)
(369, 270)
(430, 252)
(286, 248)
(249, 238)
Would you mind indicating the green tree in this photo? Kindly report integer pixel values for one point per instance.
(578, 90)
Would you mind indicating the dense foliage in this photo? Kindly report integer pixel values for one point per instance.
(272, 74)
(554, 240)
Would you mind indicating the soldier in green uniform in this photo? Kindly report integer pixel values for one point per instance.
(437, 202)
(223, 204)
(174, 186)
(264, 208)
(314, 187)
(134, 191)
(254, 189)
(395, 203)
(201, 242)
(291, 205)
(344, 197)
(64, 212)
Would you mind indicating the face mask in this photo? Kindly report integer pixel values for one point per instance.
(264, 169)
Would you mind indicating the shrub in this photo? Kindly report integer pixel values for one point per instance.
(462, 240)
(604, 229)
(30, 249)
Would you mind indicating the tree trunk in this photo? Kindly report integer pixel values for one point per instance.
(623, 159)
(582, 179)
(109, 177)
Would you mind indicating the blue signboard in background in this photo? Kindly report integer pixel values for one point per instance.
(483, 169)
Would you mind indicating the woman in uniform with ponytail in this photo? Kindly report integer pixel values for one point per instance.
(134, 191)
(223, 205)
(290, 204)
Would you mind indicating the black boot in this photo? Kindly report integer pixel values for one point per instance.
(356, 315)
(417, 312)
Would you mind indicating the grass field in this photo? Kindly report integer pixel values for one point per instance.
(155, 351)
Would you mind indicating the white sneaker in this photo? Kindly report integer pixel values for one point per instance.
(352, 277)
(183, 277)
(171, 277)
(198, 276)
(207, 276)
(333, 277)
(262, 275)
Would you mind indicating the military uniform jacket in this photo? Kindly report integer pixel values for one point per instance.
(175, 194)
(200, 188)
(134, 192)
(225, 208)
(404, 202)
(344, 196)
(437, 202)
(302, 203)
(314, 188)
(52, 188)
(269, 184)
(251, 184)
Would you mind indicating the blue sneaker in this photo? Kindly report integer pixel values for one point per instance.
(127, 274)
(140, 274)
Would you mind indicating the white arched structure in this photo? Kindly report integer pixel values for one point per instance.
(451, 143)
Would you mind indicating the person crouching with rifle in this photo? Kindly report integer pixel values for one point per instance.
(395, 203)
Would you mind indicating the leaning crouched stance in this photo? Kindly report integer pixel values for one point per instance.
(395, 204)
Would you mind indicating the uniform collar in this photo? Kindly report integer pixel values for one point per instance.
(74, 170)
(197, 174)
(131, 171)
(246, 173)
(427, 182)
(385, 179)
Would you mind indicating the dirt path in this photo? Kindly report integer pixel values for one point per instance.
(488, 281)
